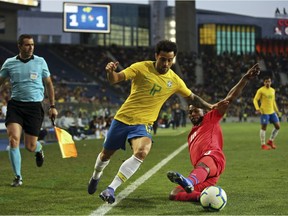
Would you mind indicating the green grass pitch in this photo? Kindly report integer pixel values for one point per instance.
(255, 180)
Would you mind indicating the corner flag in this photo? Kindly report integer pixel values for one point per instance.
(66, 143)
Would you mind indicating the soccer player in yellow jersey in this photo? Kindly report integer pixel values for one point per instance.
(268, 109)
(153, 82)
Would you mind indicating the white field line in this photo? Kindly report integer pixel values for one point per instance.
(103, 209)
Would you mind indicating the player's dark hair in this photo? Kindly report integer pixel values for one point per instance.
(166, 46)
(266, 78)
(22, 37)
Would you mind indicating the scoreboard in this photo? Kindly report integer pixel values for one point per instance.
(90, 18)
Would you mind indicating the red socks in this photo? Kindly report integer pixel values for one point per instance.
(198, 175)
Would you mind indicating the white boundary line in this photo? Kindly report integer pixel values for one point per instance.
(103, 209)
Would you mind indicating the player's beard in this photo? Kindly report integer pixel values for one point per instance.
(162, 70)
(197, 120)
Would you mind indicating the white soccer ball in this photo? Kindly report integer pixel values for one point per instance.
(213, 198)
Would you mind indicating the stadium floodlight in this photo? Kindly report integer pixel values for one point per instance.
(90, 18)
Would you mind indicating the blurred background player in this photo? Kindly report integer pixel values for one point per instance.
(27, 73)
(205, 143)
(268, 108)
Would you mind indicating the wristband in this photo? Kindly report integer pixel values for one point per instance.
(52, 107)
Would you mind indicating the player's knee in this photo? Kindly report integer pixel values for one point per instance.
(204, 166)
(13, 141)
(142, 151)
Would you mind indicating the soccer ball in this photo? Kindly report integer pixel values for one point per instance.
(213, 198)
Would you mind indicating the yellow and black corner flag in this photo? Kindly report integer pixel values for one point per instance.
(66, 142)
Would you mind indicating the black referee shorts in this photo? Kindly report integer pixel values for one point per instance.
(29, 115)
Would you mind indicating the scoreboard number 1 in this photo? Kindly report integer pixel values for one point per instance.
(91, 18)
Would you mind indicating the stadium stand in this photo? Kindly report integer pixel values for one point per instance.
(81, 85)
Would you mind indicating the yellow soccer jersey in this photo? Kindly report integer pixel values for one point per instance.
(267, 100)
(149, 91)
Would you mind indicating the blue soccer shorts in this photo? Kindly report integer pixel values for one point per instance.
(271, 118)
(119, 132)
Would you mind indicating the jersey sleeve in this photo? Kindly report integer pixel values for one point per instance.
(4, 72)
(130, 72)
(183, 89)
(256, 99)
(275, 106)
(45, 69)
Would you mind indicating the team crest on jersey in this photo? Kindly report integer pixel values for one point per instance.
(169, 84)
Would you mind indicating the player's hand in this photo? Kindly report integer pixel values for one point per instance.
(258, 112)
(253, 71)
(111, 67)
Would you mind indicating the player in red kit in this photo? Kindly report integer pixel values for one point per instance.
(205, 143)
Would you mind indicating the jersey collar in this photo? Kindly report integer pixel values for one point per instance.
(25, 60)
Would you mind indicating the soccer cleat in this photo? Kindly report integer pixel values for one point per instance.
(180, 180)
(272, 144)
(17, 182)
(92, 186)
(39, 158)
(265, 147)
(108, 195)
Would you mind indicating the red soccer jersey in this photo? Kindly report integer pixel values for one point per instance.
(207, 139)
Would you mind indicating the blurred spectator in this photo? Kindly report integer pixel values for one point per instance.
(176, 115)
(68, 123)
(3, 109)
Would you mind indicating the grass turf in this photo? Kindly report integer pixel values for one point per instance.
(255, 180)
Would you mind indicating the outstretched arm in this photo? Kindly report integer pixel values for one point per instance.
(197, 101)
(238, 88)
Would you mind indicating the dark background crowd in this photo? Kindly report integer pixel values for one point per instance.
(82, 90)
